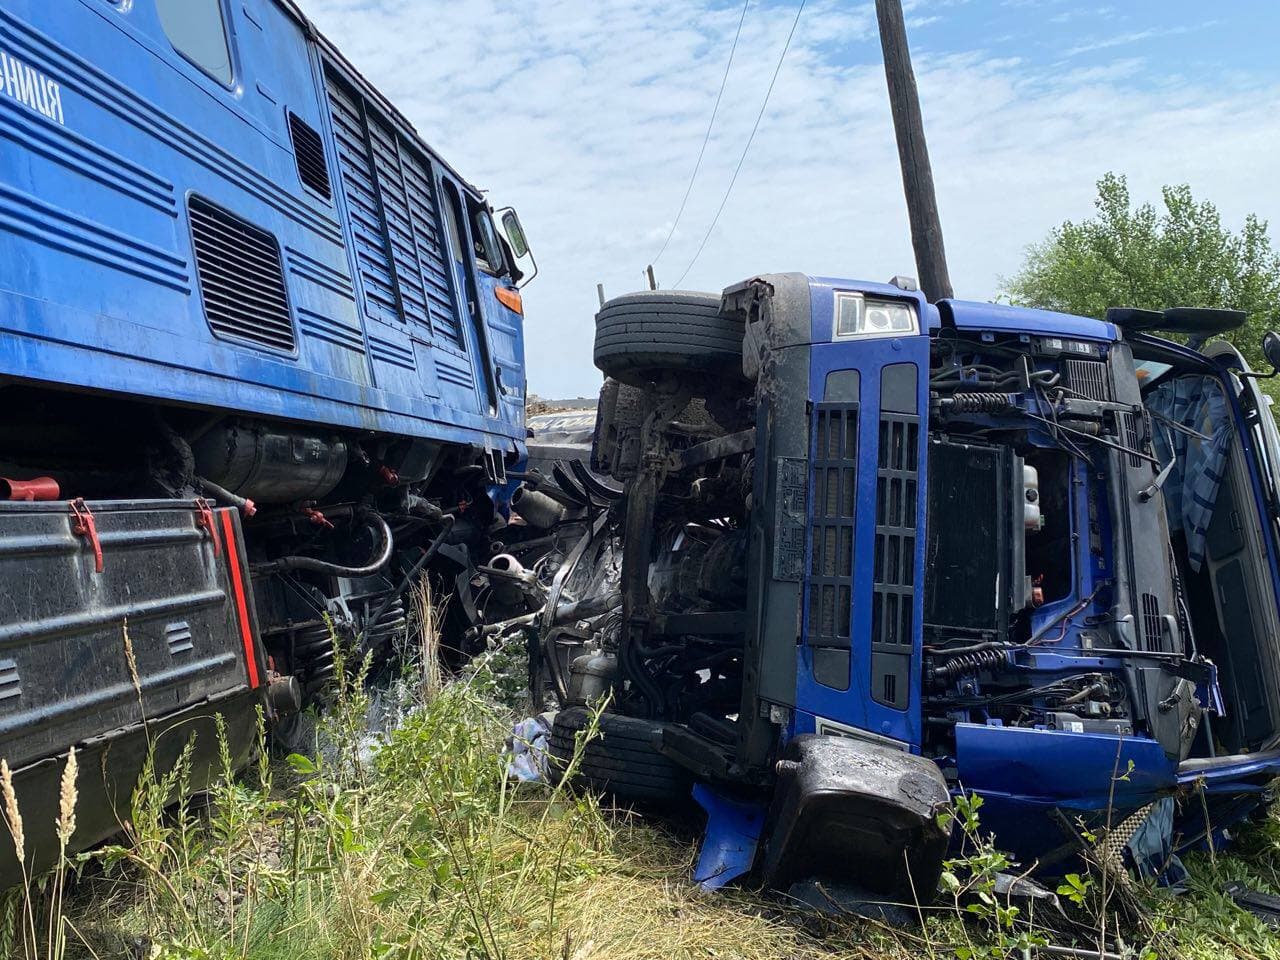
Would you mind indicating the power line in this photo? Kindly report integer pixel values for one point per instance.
(706, 139)
(745, 150)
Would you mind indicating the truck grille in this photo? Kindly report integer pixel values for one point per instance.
(1132, 439)
(835, 479)
(1088, 378)
(241, 278)
(893, 591)
(1151, 622)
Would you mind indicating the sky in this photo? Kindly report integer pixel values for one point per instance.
(588, 117)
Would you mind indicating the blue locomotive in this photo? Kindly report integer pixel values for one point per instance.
(261, 364)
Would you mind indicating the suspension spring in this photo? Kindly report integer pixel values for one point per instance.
(981, 403)
(967, 664)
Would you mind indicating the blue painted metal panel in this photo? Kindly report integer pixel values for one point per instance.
(969, 315)
(858, 706)
(98, 288)
(730, 840)
(1076, 770)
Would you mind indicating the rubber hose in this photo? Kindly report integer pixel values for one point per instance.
(245, 506)
(337, 570)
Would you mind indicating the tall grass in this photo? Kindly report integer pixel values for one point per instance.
(425, 851)
(417, 845)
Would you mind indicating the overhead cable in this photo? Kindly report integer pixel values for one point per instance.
(746, 149)
(707, 138)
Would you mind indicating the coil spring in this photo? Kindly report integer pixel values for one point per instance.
(983, 403)
(313, 655)
(393, 622)
(968, 663)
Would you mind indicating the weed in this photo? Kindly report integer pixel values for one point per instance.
(414, 844)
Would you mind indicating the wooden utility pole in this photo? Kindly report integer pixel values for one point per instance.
(913, 153)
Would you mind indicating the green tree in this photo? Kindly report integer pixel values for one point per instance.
(1180, 256)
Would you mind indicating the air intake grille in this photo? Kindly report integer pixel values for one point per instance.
(241, 279)
(835, 481)
(1129, 423)
(892, 599)
(308, 149)
(1151, 623)
(1088, 378)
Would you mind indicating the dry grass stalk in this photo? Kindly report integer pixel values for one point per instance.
(132, 661)
(428, 618)
(12, 815)
(67, 796)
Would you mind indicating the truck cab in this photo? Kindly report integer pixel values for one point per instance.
(974, 548)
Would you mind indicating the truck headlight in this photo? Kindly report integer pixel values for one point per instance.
(858, 316)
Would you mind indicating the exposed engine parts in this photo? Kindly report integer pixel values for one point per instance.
(944, 670)
(979, 403)
(1046, 446)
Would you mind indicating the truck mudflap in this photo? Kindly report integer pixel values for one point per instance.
(859, 814)
(125, 627)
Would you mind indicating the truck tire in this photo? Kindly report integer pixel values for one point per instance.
(646, 336)
(621, 760)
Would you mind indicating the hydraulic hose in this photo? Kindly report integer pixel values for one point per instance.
(337, 570)
(245, 506)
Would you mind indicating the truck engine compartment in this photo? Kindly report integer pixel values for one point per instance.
(1060, 478)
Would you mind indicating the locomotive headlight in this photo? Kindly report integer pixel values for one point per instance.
(859, 317)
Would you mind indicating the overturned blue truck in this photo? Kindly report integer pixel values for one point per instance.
(261, 364)
(853, 552)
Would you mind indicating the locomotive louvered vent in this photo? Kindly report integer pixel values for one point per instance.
(308, 149)
(241, 278)
(834, 487)
(893, 575)
(1088, 379)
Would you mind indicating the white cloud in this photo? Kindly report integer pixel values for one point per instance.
(1137, 36)
(588, 118)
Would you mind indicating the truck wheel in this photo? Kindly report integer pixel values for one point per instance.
(646, 336)
(621, 760)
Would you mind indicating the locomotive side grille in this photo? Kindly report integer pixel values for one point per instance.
(308, 150)
(241, 278)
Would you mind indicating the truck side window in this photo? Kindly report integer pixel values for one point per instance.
(197, 30)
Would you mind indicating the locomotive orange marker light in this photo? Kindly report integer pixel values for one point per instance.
(510, 298)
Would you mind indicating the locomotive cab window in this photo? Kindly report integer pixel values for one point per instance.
(488, 248)
(198, 31)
